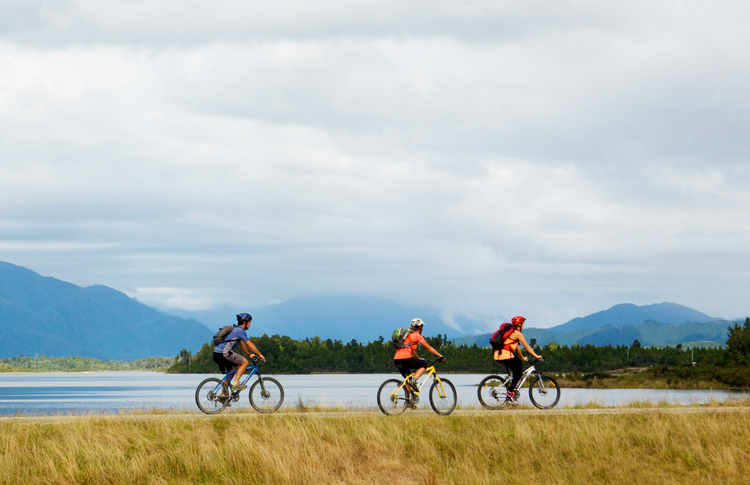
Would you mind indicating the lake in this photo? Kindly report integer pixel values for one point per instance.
(110, 392)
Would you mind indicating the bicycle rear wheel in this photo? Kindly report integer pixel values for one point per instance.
(208, 396)
(268, 398)
(544, 392)
(392, 400)
(443, 396)
(491, 392)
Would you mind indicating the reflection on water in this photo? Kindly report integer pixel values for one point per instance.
(108, 392)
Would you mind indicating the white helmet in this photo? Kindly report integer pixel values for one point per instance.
(417, 323)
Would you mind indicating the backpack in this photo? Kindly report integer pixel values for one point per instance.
(222, 334)
(497, 338)
(398, 337)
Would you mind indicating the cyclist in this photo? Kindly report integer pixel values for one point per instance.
(225, 356)
(407, 358)
(511, 354)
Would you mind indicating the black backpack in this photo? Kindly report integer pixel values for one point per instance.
(222, 334)
(497, 338)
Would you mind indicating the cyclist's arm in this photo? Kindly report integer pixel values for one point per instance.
(431, 349)
(251, 349)
(522, 339)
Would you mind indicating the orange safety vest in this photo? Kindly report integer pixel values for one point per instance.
(508, 351)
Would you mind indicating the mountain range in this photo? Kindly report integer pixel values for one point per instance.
(44, 315)
(47, 316)
(658, 325)
(362, 318)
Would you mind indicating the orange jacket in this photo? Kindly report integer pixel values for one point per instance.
(411, 342)
(509, 349)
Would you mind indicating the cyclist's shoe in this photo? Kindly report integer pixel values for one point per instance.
(411, 404)
(511, 396)
(413, 384)
(225, 399)
(238, 387)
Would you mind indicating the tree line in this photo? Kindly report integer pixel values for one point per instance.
(42, 363)
(730, 365)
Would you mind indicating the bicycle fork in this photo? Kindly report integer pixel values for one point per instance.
(440, 388)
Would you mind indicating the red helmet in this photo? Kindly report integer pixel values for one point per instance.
(517, 320)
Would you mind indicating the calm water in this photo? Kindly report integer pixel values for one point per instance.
(110, 392)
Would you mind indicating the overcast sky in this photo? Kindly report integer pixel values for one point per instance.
(545, 158)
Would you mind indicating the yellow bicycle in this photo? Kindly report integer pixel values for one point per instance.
(394, 397)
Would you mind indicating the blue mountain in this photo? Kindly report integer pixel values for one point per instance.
(658, 324)
(362, 318)
(43, 315)
(629, 314)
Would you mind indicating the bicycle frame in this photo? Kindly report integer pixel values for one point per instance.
(525, 375)
(543, 389)
(249, 372)
(397, 395)
(252, 370)
(214, 394)
(429, 372)
(531, 370)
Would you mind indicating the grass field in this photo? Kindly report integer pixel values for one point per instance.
(650, 445)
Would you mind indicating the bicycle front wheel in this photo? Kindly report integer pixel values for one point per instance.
(443, 396)
(209, 396)
(544, 392)
(491, 392)
(392, 400)
(266, 397)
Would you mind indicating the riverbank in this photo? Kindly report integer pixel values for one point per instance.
(640, 382)
(638, 379)
(81, 364)
(652, 446)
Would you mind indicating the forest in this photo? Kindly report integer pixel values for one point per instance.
(42, 363)
(730, 365)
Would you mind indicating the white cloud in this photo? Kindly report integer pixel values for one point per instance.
(492, 158)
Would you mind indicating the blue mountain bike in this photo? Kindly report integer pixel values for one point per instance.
(214, 395)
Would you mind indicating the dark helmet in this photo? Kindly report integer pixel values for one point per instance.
(244, 317)
(517, 320)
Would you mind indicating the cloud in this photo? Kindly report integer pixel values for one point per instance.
(490, 158)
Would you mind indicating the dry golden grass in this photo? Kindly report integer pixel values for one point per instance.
(489, 447)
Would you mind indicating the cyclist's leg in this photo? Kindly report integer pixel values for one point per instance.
(404, 369)
(225, 367)
(413, 363)
(420, 372)
(516, 366)
(236, 360)
(240, 370)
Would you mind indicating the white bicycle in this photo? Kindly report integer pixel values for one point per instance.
(543, 390)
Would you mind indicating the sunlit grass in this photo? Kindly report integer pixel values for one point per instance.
(146, 446)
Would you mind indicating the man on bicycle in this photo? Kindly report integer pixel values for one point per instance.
(225, 356)
(511, 355)
(406, 358)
